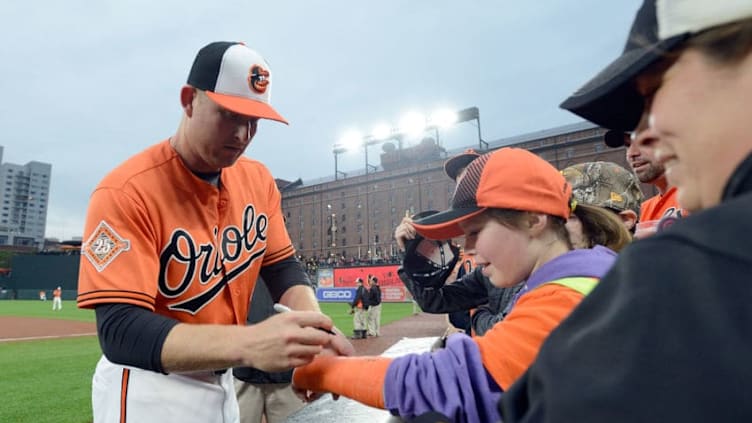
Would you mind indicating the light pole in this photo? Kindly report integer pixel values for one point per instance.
(337, 150)
(411, 125)
(334, 236)
(368, 141)
(472, 113)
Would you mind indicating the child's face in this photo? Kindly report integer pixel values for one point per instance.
(503, 251)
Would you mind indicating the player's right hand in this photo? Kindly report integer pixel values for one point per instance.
(285, 340)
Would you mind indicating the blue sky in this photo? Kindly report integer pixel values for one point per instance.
(89, 83)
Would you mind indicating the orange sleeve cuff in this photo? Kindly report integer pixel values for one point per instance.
(359, 378)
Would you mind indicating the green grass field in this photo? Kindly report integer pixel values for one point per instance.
(50, 380)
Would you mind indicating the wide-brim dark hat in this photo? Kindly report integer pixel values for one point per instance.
(610, 99)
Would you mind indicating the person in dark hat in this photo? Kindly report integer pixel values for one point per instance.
(666, 336)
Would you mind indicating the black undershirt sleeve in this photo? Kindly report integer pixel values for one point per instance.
(132, 335)
(281, 276)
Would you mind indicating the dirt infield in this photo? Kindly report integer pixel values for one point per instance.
(29, 328)
(417, 326)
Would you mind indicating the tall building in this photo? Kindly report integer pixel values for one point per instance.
(355, 216)
(25, 197)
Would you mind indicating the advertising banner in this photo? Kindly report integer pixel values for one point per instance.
(325, 278)
(335, 295)
(392, 288)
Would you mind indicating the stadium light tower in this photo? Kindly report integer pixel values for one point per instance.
(337, 150)
(412, 124)
(472, 113)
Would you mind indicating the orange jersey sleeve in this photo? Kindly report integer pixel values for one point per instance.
(159, 237)
(511, 345)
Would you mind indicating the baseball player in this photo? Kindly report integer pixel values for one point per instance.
(57, 299)
(176, 237)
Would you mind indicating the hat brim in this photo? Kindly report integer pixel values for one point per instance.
(452, 166)
(614, 138)
(245, 106)
(610, 99)
(445, 225)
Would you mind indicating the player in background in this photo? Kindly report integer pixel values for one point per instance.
(176, 238)
(57, 299)
(359, 310)
(374, 306)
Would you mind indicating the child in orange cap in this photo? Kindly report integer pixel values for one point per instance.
(512, 207)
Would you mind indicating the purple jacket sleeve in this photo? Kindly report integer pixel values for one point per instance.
(452, 381)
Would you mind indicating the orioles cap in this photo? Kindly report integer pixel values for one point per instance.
(236, 78)
(610, 99)
(508, 178)
(453, 166)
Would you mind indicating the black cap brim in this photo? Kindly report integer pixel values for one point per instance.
(445, 225)
(453, 165)
(610, 99)
(614, 138)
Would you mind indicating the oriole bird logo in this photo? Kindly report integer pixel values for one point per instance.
(258, 79)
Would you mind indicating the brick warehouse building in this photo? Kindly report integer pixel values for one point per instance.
(354, 218)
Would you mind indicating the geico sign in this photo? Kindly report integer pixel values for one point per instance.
(335, 294)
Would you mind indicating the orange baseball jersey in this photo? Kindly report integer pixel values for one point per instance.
(159, 237)
(659, 206)
(57, 292)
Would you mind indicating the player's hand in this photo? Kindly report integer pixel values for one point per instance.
(287, 340)
(404, 232)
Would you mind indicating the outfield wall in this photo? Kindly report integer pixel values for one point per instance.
(338, 284)
(33, 273)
